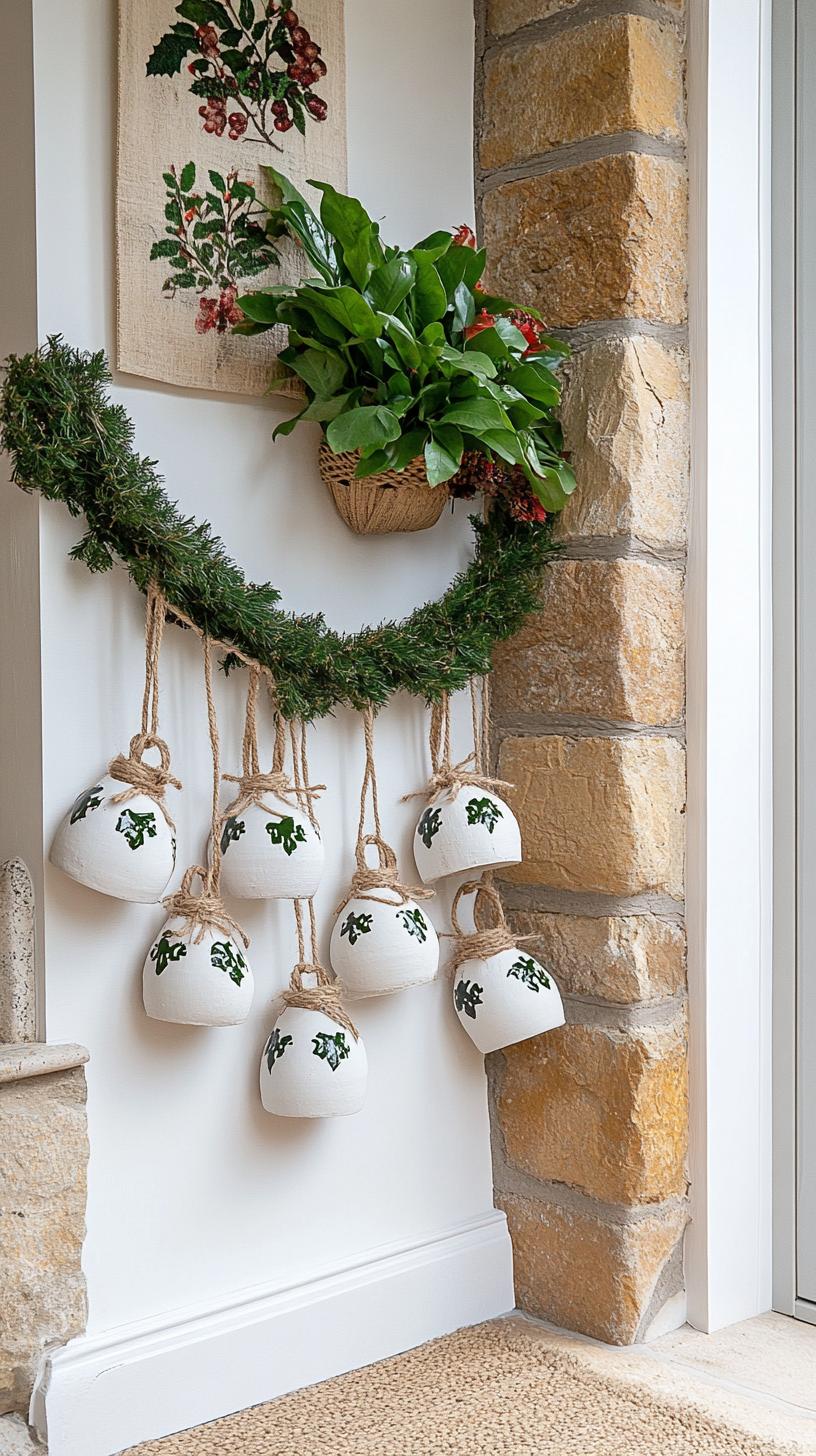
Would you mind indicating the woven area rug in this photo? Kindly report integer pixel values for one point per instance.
(489, 1391)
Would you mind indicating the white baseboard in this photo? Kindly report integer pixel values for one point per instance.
(101, 1394)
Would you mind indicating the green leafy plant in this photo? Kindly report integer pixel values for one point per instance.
(483, 811)
(91, 799)
(255, 66)
(225, 957)
(332, 1049)
(402, 354)
(136, 827)
(415, 923)
(356, 925)
(165, 952)
(212, 240)
(528, 971)
(287, 834)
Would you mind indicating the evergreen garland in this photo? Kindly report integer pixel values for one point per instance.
(68, 441)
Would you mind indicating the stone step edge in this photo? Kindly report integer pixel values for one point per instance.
(22, 1060)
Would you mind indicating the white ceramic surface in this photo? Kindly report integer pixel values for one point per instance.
(267, 856)
(377, 947)
(208, 984)
(506, 998)
(125, 850)
(311, 1067)
(474, 829)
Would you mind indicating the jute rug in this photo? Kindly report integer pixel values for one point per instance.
(488, 1391)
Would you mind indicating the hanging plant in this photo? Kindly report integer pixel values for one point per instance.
(405, 357)
(254, 67)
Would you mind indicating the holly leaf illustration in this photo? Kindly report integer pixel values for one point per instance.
(136, 827)
(467, 997)
(429, 825)
(226, 957)
(483, 811)
(169, 54)
(287, 834)
(165, 952)
(331, 1049)
(356, 925)
(415, 923)
(275, 1048)
(91, 799)
(528, 971)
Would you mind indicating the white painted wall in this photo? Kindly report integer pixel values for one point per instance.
(194, 1192)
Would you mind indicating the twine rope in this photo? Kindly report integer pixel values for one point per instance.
(448, 777)
(147, 778)
(485, 940)
(203, 911)
(254, 786)
(323, 996)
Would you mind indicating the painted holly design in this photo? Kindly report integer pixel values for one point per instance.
(254, 68)
(91, 799)
(226, 957)
(275, 1048)
(165, 951)
(429, 825)
(332, 1049)
(136, 827)
(232, 830)
(467, 997)
(415, 923)
(531, 973)
(212, 240)
(356, 925)
(483, 811)
(287, 834)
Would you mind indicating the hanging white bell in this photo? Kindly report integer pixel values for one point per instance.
(119, 841)
(382, 940)
(465, 828)
(196, 972)
(271, 852)
(313, 1065)
(501, 994)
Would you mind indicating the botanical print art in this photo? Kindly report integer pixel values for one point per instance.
(210, 91)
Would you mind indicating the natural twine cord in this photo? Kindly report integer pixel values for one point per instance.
(484, 941)
(447, 777)
(254, 786)
(385, 875)
(147, 778)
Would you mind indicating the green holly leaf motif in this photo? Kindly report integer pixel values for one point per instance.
(484, 811)
(91, 799)
(528, 971)
(415, 923)
(275, 1048)
(356, 925)
(136, 827)
(226, 957)
(467, 997)
(233, 829)
(331, 1049)
(287, 834)
(166, 951)
(429, 825)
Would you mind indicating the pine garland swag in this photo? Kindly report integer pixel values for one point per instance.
(67, 440)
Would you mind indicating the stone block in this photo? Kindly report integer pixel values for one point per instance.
(505, 16)
(620, 73)
(587, 1274)
(623, 959)
(625, 414)
(601, 240)
(607, 642)
(598, 814)
(603, 1111)
(43, 1161)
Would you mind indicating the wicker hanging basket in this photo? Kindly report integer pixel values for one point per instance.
(394, 501)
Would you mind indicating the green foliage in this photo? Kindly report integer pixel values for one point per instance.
(395, 364)
(275, 1048)
(212, 239)
(332, 1049)
(91, 799)
(530, 972)
(467, 997)
(165, 952)
(68, 441)
(226, 957)
(232, 831)
(483, 811)
(287, 834)
(136, 827)
(356, 925)
(429, 825)
(415, 923)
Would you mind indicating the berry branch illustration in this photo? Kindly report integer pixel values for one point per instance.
(256, 58)
(212, 241)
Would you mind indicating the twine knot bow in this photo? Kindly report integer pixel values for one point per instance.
(323, 996)
(144, 778)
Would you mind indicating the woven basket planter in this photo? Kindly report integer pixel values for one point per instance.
(394, 501)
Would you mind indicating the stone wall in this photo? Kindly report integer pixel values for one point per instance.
(582, 185)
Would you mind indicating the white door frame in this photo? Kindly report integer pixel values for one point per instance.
(730, 697)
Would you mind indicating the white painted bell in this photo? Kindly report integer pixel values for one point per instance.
(381, 944)
(125, 850)
(271, 856)
(505, 998)
(473, 829)
(204, 984)
(312, 1067)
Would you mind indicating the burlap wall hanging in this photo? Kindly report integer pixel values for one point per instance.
(209, 93)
